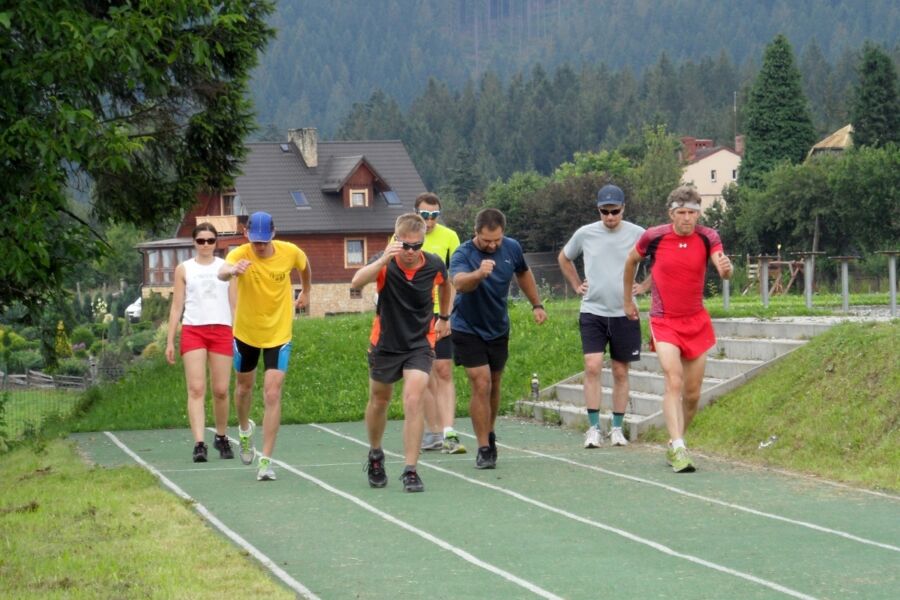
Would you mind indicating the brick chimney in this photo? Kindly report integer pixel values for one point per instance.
(739, 145)
(307, 142)
(688, 148)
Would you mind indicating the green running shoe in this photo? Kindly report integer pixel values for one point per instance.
(265, 471)
(682, 463)
(670, 455)
(245, 438)
(452, 445)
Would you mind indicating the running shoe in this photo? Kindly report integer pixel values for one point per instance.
(200, 451)
(452, 445)
(616, 437)
(222, 444)
(375, 468)
(593, 438)
(432, 441)
(247, 451)
(681, 462)
(492, 443)
(412, 482)
(265, 472)
(485, 458)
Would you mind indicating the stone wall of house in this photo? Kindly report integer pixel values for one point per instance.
(334, 298)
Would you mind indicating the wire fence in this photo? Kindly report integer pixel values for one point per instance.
(28, 400)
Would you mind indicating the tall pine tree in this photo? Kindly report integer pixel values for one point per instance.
(875, 112)
(778, 122)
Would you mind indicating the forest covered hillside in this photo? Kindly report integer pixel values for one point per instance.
(330, 55)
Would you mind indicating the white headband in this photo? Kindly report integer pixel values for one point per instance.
(688, 205)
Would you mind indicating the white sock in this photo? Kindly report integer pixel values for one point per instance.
(679, 443)
(448, 430)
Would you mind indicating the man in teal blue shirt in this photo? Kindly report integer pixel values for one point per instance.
(481, 270)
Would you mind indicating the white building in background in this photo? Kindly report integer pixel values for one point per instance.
(710, 168)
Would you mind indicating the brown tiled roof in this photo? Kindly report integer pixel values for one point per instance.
(704, 152)
(273, 170)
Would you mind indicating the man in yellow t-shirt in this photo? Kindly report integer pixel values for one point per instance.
(263, 325)
(440, 397)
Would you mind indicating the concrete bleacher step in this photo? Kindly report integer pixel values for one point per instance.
(744, 348)
(574, 417)
(716, 368)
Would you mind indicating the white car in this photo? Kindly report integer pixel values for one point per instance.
(133, 312)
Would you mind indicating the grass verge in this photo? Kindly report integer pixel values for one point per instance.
(72, 531)
(327, 380)
(833, 406)
(26, 410)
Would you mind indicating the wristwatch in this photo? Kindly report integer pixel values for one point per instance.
(444, 317)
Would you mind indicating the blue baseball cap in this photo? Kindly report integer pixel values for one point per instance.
(260, 227)
(610, 194)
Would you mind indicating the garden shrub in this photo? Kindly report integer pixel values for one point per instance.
(138, 341)
(82, 334)
(23, 360)
(72, 366)
(99, 329)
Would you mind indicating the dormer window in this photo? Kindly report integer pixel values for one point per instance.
(231, 202)
(359, 197)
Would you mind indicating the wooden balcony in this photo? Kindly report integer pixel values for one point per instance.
(224, 224)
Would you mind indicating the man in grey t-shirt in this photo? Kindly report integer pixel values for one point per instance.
(605, 245)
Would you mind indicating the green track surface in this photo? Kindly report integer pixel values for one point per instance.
(530, 522)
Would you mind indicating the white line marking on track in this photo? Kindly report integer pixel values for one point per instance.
(292, 583)
(688, 494)
(792, 474)
(621, 532)
(470, 558)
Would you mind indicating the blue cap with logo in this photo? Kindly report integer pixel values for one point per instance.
(260, 227)
(610, 194)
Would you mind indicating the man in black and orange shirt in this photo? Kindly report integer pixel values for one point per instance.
(402, 341)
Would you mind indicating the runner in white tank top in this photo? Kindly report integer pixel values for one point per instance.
(206, 338)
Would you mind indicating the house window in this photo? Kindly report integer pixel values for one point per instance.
(231, 204)
(355, 293)
(712, 175)
(391, 198)
(354, 253)
(161, 264)
(359, 198)
(300, 200)
(734, 174)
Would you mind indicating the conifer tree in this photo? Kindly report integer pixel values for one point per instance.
(875, 112)
(778, 122)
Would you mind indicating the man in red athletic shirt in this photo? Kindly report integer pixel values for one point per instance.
(680, 328)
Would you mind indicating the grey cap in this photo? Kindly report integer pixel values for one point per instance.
(610, 194)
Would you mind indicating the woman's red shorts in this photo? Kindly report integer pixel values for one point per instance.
(213, 338)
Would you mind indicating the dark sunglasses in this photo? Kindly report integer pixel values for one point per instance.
(427, 215)
(202, 241)
(610, 211)
(408, 246)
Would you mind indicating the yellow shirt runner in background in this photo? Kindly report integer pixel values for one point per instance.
(265, 300)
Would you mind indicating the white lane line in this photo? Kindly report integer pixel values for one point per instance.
(792, 474)
(708, 499)
(292, 583)
(621, 532)
(538, 591)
